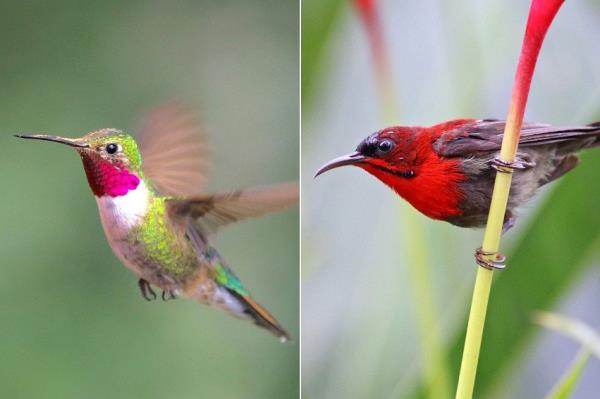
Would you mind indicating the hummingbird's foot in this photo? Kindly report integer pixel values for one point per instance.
(168, 294)
(147, 291)
(498, 262)
(507, 167)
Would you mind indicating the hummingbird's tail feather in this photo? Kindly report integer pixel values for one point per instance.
(237, 302)
(259, 315)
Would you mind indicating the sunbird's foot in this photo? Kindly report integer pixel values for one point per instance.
(498, 262)
(147, 291)
(501, 165)
(509, 221)
(166, 295)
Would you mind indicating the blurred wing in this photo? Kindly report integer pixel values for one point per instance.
(210, 212)
(486, 135)
(174, 152)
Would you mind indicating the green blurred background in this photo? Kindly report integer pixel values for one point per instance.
(363, 249)
(72, 321)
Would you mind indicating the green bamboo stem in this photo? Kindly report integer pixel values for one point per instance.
(541, 14)
(470, 359)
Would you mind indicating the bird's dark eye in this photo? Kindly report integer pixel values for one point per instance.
(385, 145)
(112, 148)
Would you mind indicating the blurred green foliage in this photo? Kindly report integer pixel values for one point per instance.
(318, 20)
(72, 321)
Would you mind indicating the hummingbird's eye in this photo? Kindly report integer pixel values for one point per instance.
(112, 148)
(385, 146)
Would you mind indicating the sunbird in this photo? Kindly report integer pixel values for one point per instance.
(446, 171)
(157, 221)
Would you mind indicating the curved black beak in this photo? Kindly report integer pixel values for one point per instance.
(63, 140)
(349, 159)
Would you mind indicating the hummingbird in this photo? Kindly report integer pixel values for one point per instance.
(446, 171)
(156, 218)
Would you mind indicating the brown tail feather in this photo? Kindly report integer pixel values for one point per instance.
(261, 317)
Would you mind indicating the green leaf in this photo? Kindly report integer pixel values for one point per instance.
(580, 332)
(565, 386)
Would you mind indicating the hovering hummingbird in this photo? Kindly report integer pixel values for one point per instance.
(156, 221)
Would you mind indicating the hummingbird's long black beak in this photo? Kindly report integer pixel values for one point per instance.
(349, 159)
(63, 140)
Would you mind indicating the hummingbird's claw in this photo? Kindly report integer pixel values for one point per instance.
(166, 295)
(498, 262)
(147, 291)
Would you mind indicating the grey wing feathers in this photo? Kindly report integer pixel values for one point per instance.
(487, 136)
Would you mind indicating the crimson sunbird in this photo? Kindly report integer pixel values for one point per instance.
(446, 171)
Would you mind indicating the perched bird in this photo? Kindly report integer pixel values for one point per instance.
(446, 171)
(155, 218)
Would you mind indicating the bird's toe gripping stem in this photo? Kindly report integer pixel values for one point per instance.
(507, 167)
(490, 260)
